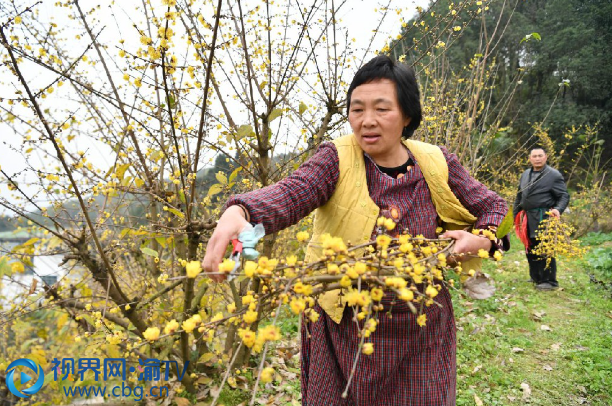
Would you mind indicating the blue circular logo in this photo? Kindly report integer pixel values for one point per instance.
(10, 377)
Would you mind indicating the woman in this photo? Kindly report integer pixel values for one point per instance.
(411, 365)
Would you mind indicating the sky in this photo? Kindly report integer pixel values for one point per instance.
(360, 17)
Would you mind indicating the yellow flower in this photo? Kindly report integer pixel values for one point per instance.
(193, 269)
(360, 268)
(422, 320)
(383, 241)
(406, 295)
(498, 255)
(171, 327)
(302, 236)
(431, 291)
(231, 307)
(247, 299)
(189, 325)
(396, 282)
(17, 20)
(17, 267)
(389, 224)
(368, 348)
(355, 297)
(377, 294)
(297, 305)
(248, 337)
(345, 281)
(151, 333)
(267, 375)
(227, 265)
(291, 260)
(249, 268)
(250, 317)
(300, 288)
(270, 333)
(380, 221)
(483, 254)
(352, 273)
(313, 315)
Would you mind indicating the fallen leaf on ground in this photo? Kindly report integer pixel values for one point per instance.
(555, 347)
(517, 349)
(477, 400)
(182, 401)
(526, 390)
(547, 368)
(544, 327)
(479, 286)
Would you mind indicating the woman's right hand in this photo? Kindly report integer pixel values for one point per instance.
(231, 223)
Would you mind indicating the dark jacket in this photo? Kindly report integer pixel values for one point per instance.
(539, 192)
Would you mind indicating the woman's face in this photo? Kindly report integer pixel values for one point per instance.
(377, 121)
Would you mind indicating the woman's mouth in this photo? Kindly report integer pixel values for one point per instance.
(370, 138)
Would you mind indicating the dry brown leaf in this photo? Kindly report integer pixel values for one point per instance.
(479, 286)
(555, 346)
(544, 327)
(477, 400)
(526, 390)
(517, 349)
(182, 402)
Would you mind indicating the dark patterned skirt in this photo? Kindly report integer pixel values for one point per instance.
(411, 365)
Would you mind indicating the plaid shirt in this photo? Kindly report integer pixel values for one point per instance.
(411, 365)
(285, 203)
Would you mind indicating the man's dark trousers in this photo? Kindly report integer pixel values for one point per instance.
(538, 270)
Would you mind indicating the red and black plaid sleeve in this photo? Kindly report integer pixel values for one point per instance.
(489, 208)
(286, 202)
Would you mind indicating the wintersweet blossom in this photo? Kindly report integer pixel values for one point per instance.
(151, 333)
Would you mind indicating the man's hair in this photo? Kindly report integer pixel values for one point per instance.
(407, 89)
(538, 147)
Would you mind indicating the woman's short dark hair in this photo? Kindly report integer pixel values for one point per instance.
(408, 95)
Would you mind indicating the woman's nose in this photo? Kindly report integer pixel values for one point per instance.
(369, 117)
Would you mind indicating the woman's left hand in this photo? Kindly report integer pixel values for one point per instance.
(466, 242)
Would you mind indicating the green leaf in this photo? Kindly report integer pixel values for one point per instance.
(235, 173)
(506, 225)
(31, 241)
(303, 107)
(149, 252)
(124, 232)
(161, 241)
(120, 171)
(176, 212)
(182, 196)
(245, 131)
(171, 101)
(215, 189)
(221, 178)
(274, 114)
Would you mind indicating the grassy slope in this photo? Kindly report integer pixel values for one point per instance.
(502, 343)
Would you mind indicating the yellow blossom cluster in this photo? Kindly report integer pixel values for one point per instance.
(555, 238)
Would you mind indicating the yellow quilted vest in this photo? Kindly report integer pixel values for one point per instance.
(351, 213)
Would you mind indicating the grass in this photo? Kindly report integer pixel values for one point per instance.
(557, 345)
(520, 346)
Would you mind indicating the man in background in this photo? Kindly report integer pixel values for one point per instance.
(542, 190)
